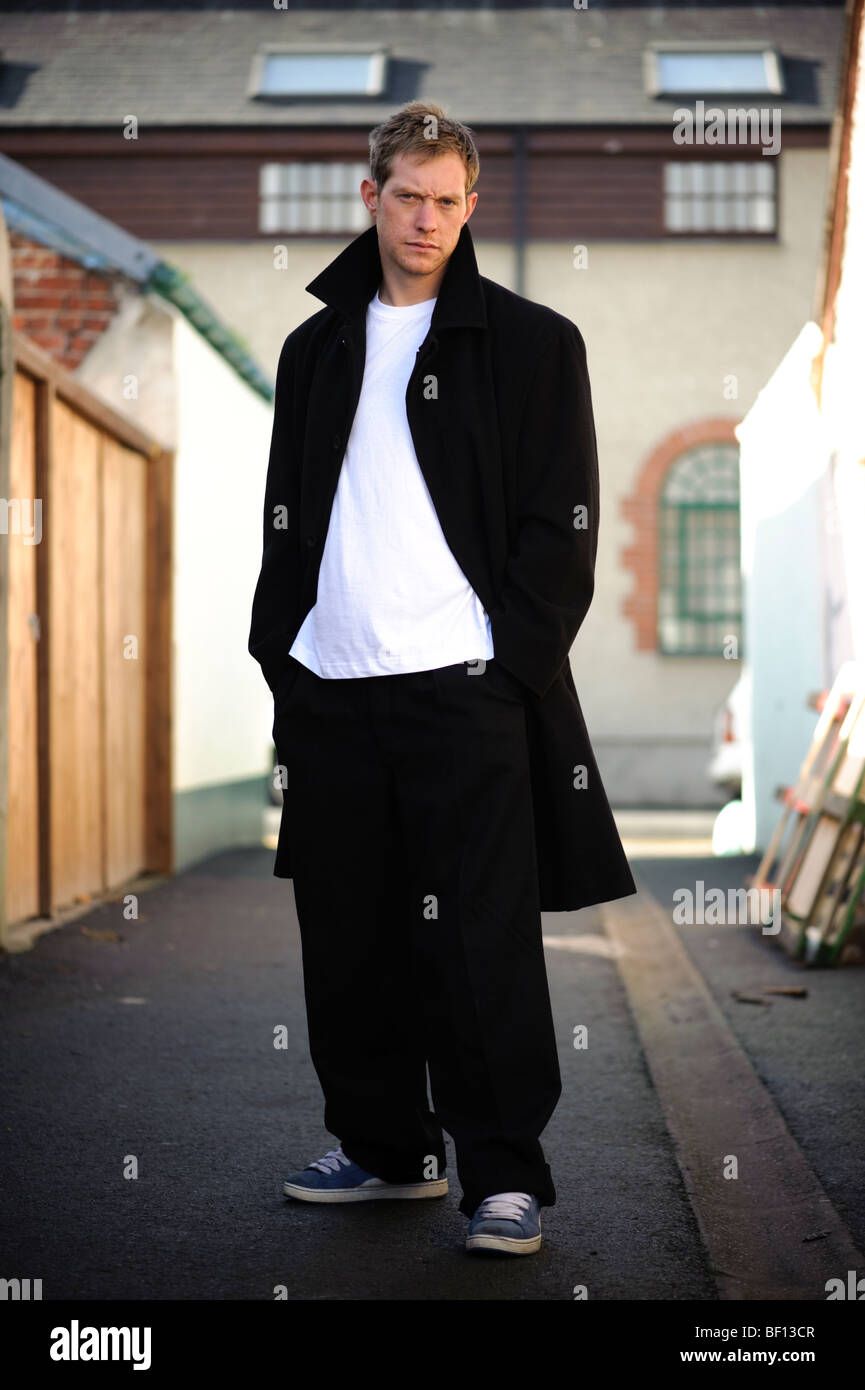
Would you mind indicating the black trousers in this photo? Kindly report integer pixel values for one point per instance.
(409, 812)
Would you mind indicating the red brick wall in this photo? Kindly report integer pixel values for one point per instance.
(64, 307)
(641, 508)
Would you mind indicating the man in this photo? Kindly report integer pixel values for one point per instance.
(430, 531)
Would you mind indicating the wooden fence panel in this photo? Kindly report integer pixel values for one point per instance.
(22, 840)
(89, 612)
(124, 535)
(76, 681)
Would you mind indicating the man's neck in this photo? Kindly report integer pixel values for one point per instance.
(400, 292)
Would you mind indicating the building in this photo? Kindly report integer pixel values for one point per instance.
(803, 482)
(234, 140)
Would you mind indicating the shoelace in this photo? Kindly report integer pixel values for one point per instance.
(507, 1206)
(331, 1161)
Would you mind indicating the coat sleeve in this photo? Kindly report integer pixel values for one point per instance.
(549, 580)
(271, 631)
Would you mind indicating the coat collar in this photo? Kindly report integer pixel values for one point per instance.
(349, 282)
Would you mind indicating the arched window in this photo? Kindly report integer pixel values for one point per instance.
(699, 574)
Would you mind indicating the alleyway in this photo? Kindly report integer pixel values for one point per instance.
(153, 1040)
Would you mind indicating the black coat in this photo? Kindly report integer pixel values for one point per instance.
(500, 411)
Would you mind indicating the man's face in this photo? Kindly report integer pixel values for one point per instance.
(420, 212)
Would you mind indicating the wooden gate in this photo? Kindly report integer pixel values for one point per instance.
(88, 645)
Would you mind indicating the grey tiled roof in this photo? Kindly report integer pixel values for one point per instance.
(564, 66)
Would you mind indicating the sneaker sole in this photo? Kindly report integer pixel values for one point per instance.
(434, 1188)
(506, 1245)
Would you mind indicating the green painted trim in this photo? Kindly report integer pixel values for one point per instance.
(176, 286)
(673, 556)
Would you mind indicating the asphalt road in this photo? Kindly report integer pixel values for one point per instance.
(147, 1047)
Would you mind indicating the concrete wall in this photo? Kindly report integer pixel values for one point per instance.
(803, 500)
(783, 473)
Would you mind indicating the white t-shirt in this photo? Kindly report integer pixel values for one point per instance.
(391, 596)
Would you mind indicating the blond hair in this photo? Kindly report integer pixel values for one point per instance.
(421, 128)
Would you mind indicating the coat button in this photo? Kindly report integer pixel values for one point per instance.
(336, 441)
(310, 542)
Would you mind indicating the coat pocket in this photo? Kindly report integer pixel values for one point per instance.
(285, 687)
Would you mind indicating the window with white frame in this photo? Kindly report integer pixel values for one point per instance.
(688, 69)
(312, 196)
(318, 72)
(720, 195)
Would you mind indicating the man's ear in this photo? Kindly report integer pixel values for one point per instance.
(369, 194)
(471, 203)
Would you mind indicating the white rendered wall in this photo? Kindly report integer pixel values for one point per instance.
(223, 710)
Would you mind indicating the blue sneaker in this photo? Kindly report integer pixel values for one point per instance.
(337, 1178)
(509, 1222)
